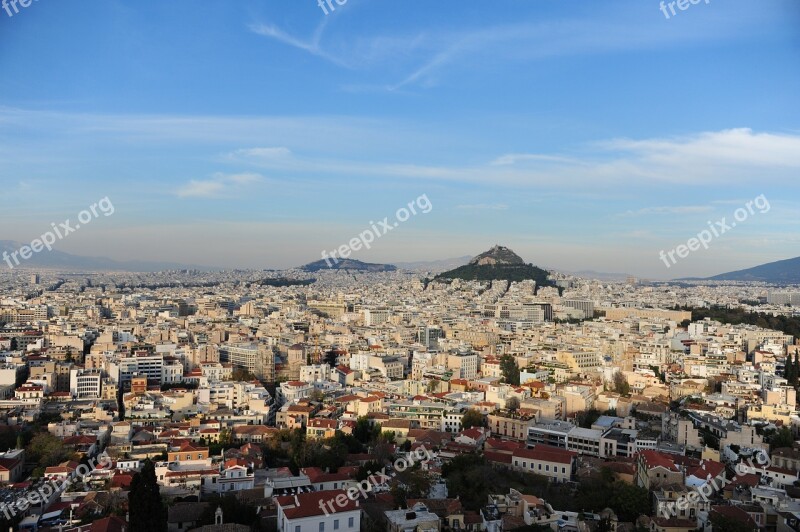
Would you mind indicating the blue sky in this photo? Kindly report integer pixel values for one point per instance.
(582, 134)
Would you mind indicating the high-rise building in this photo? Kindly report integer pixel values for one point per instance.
(586, 306)
(256, 358)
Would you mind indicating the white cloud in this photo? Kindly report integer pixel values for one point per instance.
(685, 209)
(484, 207)
(219, 186)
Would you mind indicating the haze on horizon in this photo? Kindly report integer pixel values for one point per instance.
(584, 136)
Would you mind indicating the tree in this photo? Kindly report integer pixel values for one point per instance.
(47, 450)
(790, 371)
(621, 385)
(472, 418)
(317, 396)
(723, 522)
(225, 437)
(509, 369)
(782, 438)
(147, 512)
(366, 432)
(241, 374)
(587, 418)
(512, 403)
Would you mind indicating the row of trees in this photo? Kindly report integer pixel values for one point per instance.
(734, 316)
(473, 479)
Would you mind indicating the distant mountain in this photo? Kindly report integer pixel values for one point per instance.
(499, 263)
(781, 272)
(347, 264)
(434, 265)
(59, 260)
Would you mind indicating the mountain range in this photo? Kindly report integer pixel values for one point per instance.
(60, 260)
(780, 272)
(497, 263)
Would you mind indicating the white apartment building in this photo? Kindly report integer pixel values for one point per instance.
(293, 391)
(318, 511)
(142, 363)
(374, 317)
(359, 361)
(215, 371)
(315, 373)
(85, 383)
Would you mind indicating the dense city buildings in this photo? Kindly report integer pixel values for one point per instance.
(205, 383)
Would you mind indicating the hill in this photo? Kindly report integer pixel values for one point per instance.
(780, 272)
(347, 264)
(499, 263)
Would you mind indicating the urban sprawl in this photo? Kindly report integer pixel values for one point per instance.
(391, 402)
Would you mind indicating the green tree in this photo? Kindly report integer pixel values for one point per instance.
(512, 404)
(47, 450)
(368, 469)
(472, 418)
(509, 369)
(147, 512)
(241, 374)
(781, 438)
(728, 524)
(621, 385)
(366, 432)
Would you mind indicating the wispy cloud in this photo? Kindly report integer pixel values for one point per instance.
(311, 45)
(484, 207)
(686, 209)
(219, 186)
(419, 57)
(516, 158)
(711, 158)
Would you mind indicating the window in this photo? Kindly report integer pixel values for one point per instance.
(297, 528)
(336, 524)
(350, 522)
(322, 526)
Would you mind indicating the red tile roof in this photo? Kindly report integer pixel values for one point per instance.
(656, 459)
(546, 453)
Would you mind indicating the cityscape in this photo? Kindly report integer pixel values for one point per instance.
(354, 266)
